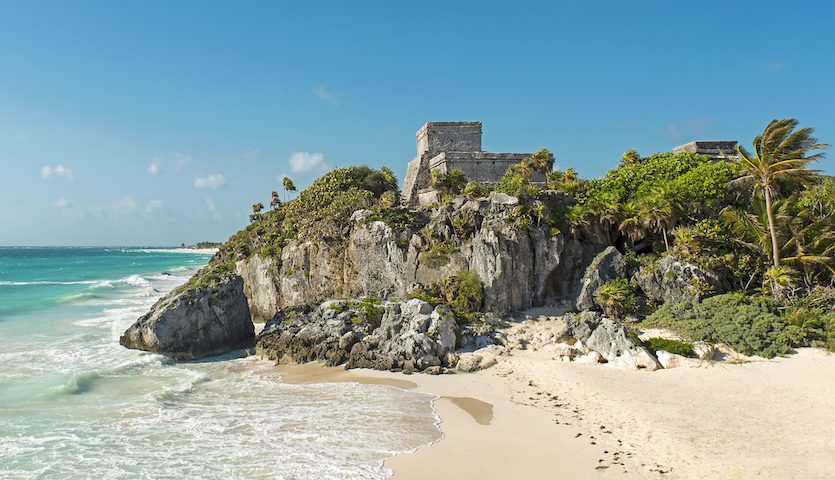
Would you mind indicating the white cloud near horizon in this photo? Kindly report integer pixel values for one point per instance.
(212, 181)
(307, 162)
(153, 206)
(153, 168)
(61, 203)
(57, 172)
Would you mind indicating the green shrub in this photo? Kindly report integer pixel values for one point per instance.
(474, 189)
(616, 297)
(462, 293)
(438, 254)
(448, 183)
(749, 325)
(672, 346)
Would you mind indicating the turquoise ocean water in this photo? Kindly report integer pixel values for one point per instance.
(74, 404)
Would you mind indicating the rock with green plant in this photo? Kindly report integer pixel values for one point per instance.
(363, 333)
(606, 266)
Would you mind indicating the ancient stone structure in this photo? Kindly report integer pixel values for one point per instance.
(443, 146)
(717, 150)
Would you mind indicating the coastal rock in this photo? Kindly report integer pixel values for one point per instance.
(409, 336)
(607, 265)
(703, 350)
(519, 266)
(671, 360)
(576, 335)
(259, 286)
(475, 361)
(195, 322)
(673, 281)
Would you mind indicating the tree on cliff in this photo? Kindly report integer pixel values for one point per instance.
(541, 161)
(780, 153)
(449, 183)
(256, 211)
(288, 186)
(275, 201)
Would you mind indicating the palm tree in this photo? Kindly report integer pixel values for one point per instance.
(288, 186)
(256, 211)
(631, 225)
(630, 157)
(541, 161)
(275, 202)
(803, 239)
(780, 153)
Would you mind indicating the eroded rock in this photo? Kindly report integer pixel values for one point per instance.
(195, 322)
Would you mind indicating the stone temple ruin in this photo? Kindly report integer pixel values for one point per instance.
(717, 150)
(443, 146)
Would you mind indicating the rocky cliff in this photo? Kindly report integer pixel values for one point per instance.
(520, 266)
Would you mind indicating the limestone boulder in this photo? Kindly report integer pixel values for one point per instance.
(671, 360)
(674, 281)
(607, 265)
(195, 322)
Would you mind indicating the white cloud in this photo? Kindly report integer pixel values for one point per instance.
(212, 181)
(334, 98)
(307, 161)
(58, 172)
(212, 208)
(61, 203)
(125, 204)
(173, 162)
(251, 153)
(153, 206)
(322, 92)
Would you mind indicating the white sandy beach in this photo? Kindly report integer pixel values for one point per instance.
(532, 417)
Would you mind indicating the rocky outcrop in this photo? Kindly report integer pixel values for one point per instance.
(409, 336)
(673, 281)
(195, 322)
(607, 265)
(520, 266)
(259, 275)
(588, 337)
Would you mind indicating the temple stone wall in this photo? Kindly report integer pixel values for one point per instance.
(444, 146)
(717, 150)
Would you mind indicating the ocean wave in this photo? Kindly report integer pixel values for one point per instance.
(48, 282)
(79, 382)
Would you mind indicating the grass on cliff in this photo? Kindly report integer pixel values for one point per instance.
(320, 212)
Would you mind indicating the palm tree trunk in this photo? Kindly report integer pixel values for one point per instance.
(666, 243)
(775, 252)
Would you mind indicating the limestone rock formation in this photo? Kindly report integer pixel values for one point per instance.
(673, 281)
(195, 322)
(574, 336)
(519, 266)
(607, 265)
(409, 336)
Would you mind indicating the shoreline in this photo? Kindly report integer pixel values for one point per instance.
(486, 432)
(532, 417)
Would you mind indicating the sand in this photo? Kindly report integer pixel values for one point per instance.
(531, 417)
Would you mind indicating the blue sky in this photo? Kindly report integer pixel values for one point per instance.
(156, 123)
